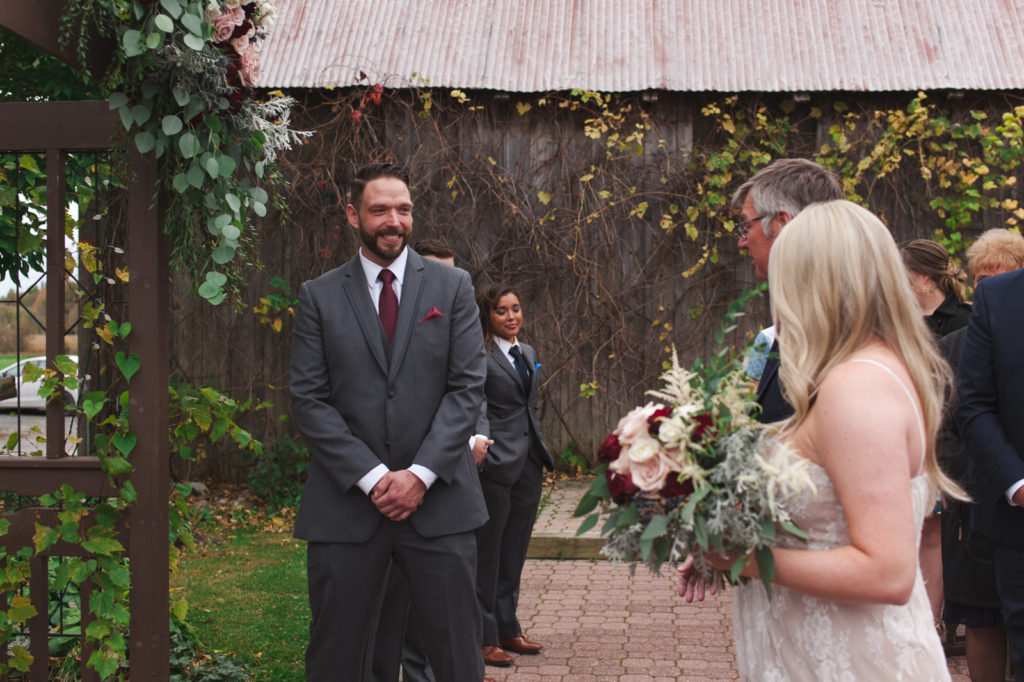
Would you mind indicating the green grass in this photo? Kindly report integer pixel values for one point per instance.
(7, 360)
(247, 597)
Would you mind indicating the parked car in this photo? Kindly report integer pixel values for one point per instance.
(29, 390)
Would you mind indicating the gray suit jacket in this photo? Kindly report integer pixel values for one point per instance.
(511, 415)
(356, 408)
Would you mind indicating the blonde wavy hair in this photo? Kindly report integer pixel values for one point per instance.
(837, 282)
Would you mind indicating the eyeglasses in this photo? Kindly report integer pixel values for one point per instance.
(743, 227)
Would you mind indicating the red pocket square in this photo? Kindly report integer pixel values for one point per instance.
(434, 312)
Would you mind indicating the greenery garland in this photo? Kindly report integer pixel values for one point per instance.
(183, 85)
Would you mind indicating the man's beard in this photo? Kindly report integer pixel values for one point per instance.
(384, 252)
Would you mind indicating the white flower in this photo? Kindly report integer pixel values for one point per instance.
(643, 449)
(673, 431)
(231, 4)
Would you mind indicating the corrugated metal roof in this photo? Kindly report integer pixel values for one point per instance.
(629, 45)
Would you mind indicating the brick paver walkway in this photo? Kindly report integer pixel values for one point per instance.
(598, 623)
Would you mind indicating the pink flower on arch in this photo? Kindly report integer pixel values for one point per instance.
(224, 23)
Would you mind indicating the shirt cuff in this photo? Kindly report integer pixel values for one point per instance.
(1013, 489)
(368, 481)
(474, 438)
(424, 474)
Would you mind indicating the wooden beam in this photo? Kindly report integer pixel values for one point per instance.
(70, 126)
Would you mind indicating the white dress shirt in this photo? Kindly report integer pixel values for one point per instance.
(372, 271)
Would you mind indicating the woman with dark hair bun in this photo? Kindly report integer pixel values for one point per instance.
(938, 285)
(511, 475)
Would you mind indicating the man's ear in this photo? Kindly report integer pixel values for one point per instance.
(353, 216)
(779, 221)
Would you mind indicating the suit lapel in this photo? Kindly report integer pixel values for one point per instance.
(358, 294)
(771, 368)
(501, 357)
(412, 292)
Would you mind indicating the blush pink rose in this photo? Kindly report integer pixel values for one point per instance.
(224, 23)
(650, 474)
(242, 43)
(635, 424)
(249, 69)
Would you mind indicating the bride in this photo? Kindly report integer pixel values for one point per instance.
(867, 383)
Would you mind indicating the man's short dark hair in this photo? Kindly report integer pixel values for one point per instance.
(372, 171)
(433, 247)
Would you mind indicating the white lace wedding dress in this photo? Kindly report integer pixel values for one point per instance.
(793, 636)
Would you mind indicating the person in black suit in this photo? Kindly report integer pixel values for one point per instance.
(766, 202)
(387, 374)
(990, 384)
(511, 475)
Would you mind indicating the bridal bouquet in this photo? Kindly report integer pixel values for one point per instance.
(694, 471)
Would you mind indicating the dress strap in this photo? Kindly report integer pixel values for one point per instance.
(910, 397)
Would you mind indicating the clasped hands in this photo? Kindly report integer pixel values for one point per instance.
(398, 494)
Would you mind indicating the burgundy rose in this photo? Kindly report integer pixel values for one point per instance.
(704, 423)
(675, 488)
(621, 488)
(655, 420)
(609, 450)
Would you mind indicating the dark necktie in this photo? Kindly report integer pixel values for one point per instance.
(520, 364)
(387, 304)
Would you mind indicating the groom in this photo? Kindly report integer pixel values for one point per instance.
(990, 384)
(387, 375)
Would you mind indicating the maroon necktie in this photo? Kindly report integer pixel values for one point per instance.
(387, 304)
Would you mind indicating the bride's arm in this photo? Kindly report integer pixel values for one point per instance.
(860, 427)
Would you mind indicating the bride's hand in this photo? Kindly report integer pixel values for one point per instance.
(724, 563)
(691, 585)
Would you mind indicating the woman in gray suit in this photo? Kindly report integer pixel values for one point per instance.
(511, 475)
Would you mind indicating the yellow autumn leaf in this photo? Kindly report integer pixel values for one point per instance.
(523, 107)
(276, 324)
(1009, 204)
(122, 274)
(544, 197)
(728, 125)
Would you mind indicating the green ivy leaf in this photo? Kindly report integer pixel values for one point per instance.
(125, 113)
(93, 402)
(124, 442)
(117, 100)
(20, 659)
(21, 610)
(102, 546)
(145, 142)
(128, 364)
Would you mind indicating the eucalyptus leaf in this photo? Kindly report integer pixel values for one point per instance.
(173, 7)
(181, 95)
(223, 220)
(258, 168)
(195, 176)
(117, 100)
(150, 89)
(144, 142)
(153, 40)
(210, 164)
(218, 278)
(188, 145)
(231, 232)
(259, 194)
(180, 183)
(194, 25)
(140, 114)
(655, 528)
(213, 227)
(222, 254)
(586, 505)
(259, 209)
(209, 290)
(125, 113)
(193, 42)
(227, 166)
(233, 201)
(132, 42)
(171, 124)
